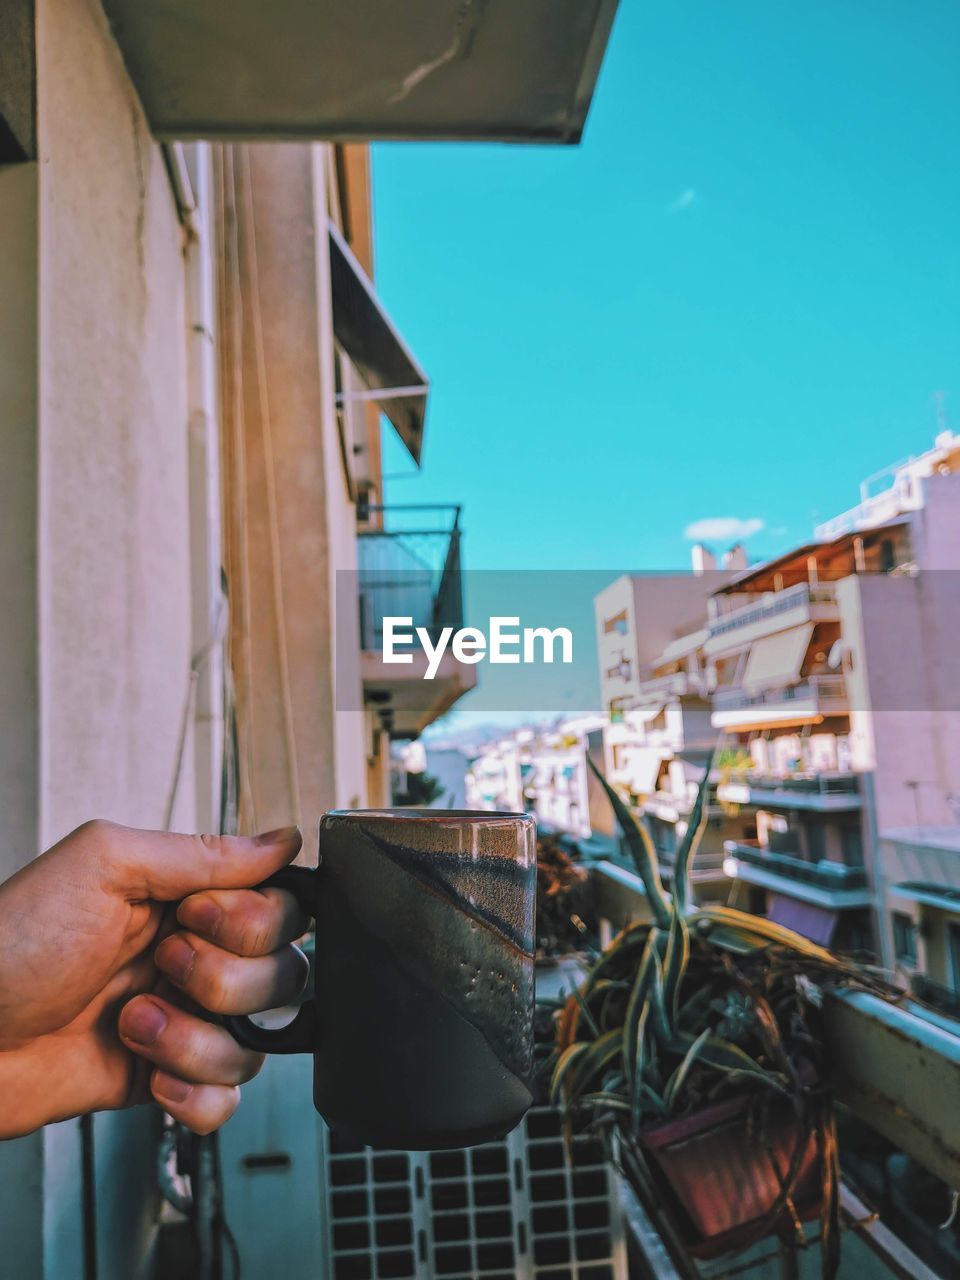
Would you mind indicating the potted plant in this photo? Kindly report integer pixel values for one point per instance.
(566, 911)
(694, 1046)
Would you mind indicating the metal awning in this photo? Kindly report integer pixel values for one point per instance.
(776, 660)
(637, 717)
(642, 768)
(394, 379)
(683, 646)
(941, 896)
(806, 918)
(355, 70)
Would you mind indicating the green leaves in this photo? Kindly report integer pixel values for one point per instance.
(675, 1084)
(638, 1006)
(642, 851)
(675, 966)
(690, 842)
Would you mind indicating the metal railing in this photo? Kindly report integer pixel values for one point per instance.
(769, 606)
(823, 874)
(654, 688)
(935, 994)
(819, 689)
(821, 784)
(409, 566)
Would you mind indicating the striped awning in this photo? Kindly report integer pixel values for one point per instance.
(776, 660)
(806, 918)
(394, 379)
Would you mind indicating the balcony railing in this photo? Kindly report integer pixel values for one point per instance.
(675, 685)
(823, 784)
(770, 606)
(832, 876)
(828, 693)
(944, 999)
(410, 568)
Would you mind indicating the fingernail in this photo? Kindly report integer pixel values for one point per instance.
(143, 1021)
(280, 836)
(170, 1087)
(201, 914)
(176, 957)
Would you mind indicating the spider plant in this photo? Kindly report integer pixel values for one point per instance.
(707, 1012)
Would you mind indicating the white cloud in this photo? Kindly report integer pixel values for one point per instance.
(723, 529)
(684, 200)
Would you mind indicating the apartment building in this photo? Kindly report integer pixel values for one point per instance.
(544, 771)
(194, 361)
(825, 682)
(656, 686)
(836, 679)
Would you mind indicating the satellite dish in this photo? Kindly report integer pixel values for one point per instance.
(835, 656)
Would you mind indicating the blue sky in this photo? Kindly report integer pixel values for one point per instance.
(736, 298)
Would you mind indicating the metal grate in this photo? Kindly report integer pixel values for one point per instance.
(519, 1209)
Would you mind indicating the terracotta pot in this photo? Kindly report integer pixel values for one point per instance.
(722, 1176)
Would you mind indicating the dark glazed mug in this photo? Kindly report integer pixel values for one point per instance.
(422, 1022)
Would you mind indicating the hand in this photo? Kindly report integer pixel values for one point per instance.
(88, 999)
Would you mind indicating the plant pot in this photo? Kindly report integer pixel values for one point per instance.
(722, 1176)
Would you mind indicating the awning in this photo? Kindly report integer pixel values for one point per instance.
(503, 70)
(776, 660)
(636, 717)
(806, 918)
(940, 896)
(642, 766)
(364, 330)
(683, 646)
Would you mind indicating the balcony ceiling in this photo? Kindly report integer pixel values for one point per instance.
(505, 70)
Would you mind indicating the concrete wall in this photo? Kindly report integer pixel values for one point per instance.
(95, 524)
(114, 515)
(903, 682)
(660, 607)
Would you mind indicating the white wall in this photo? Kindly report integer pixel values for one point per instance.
(113, 528)
(904, 686)
(114, 515)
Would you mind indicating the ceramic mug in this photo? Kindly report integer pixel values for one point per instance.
(421, 1025)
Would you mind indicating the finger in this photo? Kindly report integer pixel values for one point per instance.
(183, 1044)
(225, 983)
(165, 866)
(201, 1107)
(248, 922)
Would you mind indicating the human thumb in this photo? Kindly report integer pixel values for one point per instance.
(166, 866)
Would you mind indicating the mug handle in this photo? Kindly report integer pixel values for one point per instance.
(298, 1036)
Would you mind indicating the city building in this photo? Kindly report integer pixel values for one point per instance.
(544, 771)
(835, 679)
(655, 688)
